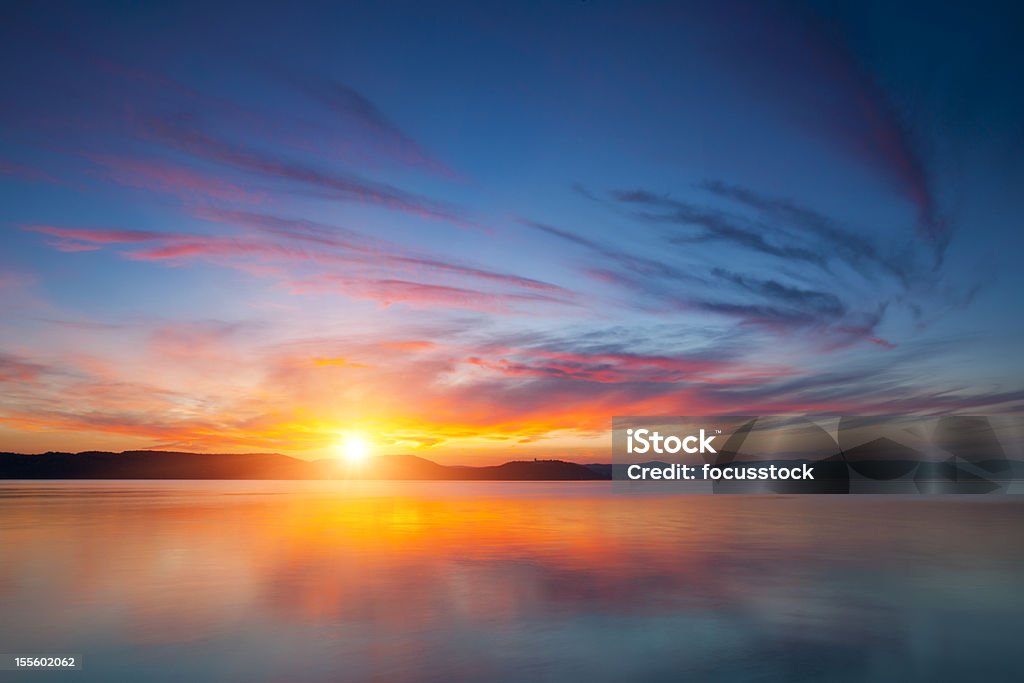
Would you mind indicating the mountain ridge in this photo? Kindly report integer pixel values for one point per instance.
(147, 464)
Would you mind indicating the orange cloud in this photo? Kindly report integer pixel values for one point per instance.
(338, 362)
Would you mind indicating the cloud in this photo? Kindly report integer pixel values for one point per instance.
(353, 107)
(721, 227)
(15, 368)
(807, 69)
(298, 229)
(421, 294)
(616, 366)
(163, 176)
(99, 235)
(289, 249)
(73, 240)
(714, 289)
(822, 304)
(410, 345)
(201, 339)
(183, 247)
(837, 242)
(634, 264)
(166, 246)
(205, 390)
(184, 134)
(372, 251)
(886, 384)
(337, 362)
(763, 281)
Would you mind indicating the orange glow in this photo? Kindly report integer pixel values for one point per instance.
(330, 551)
(453, 404)
(353, 448)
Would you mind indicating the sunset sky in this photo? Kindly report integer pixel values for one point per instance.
(475, 232)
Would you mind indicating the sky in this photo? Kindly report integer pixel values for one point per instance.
(476, 231)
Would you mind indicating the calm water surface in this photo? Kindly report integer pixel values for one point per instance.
(436, 581)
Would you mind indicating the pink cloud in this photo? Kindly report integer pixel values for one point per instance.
(72, 247)
(17, 369)
(189, 138)
(410, 345)
(368, 251)
(181, 247)
(388, 274)
(161, 176)
(419, 294)
(98, 235)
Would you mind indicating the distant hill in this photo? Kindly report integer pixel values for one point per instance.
(412, 467)
(180, 465)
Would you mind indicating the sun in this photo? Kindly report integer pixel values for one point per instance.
(353, 448)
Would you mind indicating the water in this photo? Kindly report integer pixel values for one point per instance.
(437, 581)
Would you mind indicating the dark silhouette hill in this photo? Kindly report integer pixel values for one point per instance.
(180, 465)
(400, 467)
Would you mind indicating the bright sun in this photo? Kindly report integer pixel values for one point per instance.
(354, 448)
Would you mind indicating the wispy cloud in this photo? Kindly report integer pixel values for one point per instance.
(15, 368)
(308, 257)
(353, 107)
(778, 292)
(807, 69)
(823, 304)
(373, 251)
(461, 385)
(638, 265)
(186, 135)
(617, 366)
(100, 235)
(662, 293)
(422, 294)
(90, 239)
(715, 225)
(836, 241)
(167, 177)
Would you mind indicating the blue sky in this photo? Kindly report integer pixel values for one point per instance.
(476, 230)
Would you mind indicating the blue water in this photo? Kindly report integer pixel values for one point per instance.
(486, 581)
